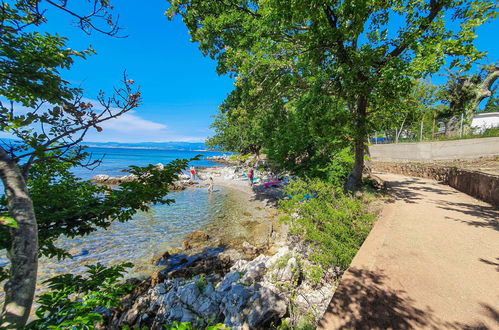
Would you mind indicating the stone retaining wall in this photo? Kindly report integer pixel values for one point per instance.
(480, 185)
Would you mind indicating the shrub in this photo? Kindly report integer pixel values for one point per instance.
(491, 132)
(77, 302)
(201, 282)
(333, 223)
(240, 158)
(190, 326)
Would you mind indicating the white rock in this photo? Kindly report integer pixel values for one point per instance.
(289, 271)
(280, 253)
(228, 280)
(128, 178)
(100, 178)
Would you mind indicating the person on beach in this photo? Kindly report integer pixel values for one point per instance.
(192, 170)
(250, 175)
(210, 185)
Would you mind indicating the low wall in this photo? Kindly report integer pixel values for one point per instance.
(430, 151)
(480, 185)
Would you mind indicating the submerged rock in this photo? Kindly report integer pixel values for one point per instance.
(198, 235)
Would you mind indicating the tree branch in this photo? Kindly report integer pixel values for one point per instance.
(435, 8)
(86, 21)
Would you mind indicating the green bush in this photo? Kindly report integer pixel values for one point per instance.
(491, 132)
(240, 158)
(201, 282)
(77, 302)
(190, 326)
(339, 167)
(333, 223)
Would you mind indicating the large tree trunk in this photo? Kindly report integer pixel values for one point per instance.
(471, 92)
(23, 253)
(354, 181)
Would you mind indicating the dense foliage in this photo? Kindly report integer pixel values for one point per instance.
(333, 223)
(190, 326)
(78, 302)
(464, 92)
(48, 118)
(312, 73)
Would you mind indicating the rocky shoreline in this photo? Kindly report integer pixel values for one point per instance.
(181, 183)
(251, 282)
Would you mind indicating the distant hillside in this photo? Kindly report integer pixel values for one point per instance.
(139, 145)
(150, 145)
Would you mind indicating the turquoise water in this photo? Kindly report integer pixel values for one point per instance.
(114, 160)
(148, 234)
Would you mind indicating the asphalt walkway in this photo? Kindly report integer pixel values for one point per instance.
(430, 262)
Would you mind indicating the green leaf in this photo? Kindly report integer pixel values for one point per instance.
(8, 221)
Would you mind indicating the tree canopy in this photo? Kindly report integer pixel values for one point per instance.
(48, 118)
(366, 54)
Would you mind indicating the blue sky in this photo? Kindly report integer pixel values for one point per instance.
(180, 87)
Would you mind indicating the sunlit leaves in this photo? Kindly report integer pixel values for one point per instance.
(75, 301)
(349, 51)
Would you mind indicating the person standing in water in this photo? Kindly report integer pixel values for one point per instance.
(193, 173)
(250, 175)
(210, 185)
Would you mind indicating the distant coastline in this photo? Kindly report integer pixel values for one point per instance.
(144, 148)
(181, 146)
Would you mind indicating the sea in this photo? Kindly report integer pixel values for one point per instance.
(113, 160)
(149, 234)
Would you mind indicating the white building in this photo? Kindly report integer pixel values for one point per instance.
(482, 121)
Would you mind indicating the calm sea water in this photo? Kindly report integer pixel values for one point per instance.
(149, 233)
(114, 160)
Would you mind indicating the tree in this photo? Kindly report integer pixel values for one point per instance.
(347, 46)
(297, 125)
(236, 128)
(49, 119)
(407, 114)
(464, 93)
(492, 104)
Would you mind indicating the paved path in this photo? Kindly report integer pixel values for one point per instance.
(430, 262)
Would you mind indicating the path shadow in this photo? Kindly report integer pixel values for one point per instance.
(364, 301)
(410, 190)
(490, 312)
(361, 302)
(488, 215)
(492, 263)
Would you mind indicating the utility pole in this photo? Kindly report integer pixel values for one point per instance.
(421, 133)
(433, 127)
(461, 128)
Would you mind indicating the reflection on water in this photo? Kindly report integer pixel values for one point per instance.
(147, 235)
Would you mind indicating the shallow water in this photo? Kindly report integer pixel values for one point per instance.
(139, 240)
(147, 235)
(224, 214)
